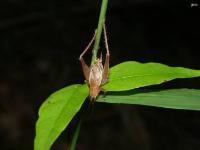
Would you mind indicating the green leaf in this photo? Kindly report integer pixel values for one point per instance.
(173, 98)
(56, 113)
(131, 75)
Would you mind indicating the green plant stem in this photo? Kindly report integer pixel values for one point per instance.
(75, 135)
(94, 57)
(102, 17)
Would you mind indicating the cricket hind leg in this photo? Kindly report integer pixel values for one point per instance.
(88, 46)
(85, 68)
(107, 59)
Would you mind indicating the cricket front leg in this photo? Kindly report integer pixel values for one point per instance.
(107, 60)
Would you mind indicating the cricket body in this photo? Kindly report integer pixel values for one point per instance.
(97, 74)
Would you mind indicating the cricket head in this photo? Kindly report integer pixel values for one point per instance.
(94, 92)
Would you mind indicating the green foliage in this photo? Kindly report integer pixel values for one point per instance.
(131, 75)
(188, 99)
(56, 113)
(59, 109)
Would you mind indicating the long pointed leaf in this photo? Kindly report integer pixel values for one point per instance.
(131, 75)
(174, 98)
(56, 113)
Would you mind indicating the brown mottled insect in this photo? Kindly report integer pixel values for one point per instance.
(97, 74)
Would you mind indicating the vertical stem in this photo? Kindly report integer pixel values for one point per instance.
(75, 135)
(102, 17)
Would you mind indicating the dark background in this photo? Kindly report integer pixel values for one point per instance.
(40, 42)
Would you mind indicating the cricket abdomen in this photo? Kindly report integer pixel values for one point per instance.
(94, 91)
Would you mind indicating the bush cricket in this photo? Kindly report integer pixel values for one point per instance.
(97, 74)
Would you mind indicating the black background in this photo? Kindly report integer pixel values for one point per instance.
(40, 42)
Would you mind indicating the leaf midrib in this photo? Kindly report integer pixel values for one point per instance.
(139, 76)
